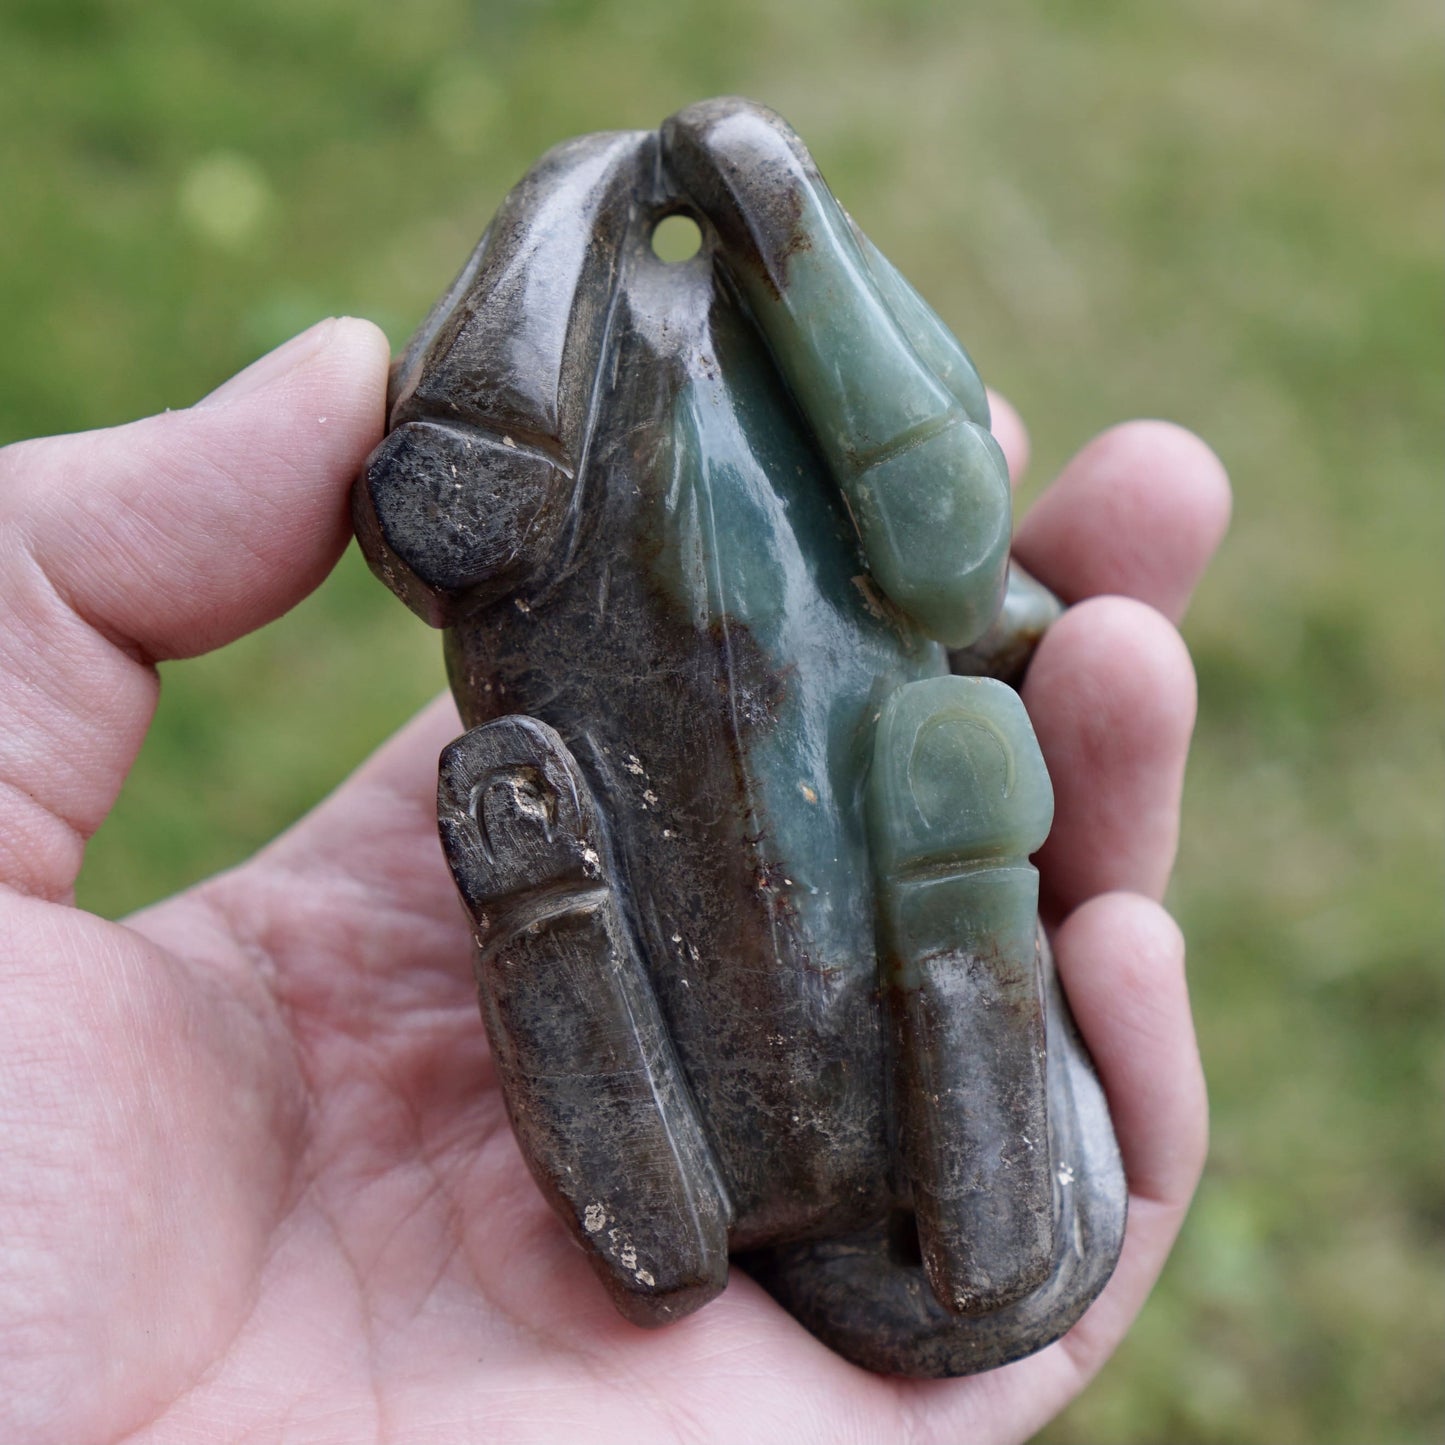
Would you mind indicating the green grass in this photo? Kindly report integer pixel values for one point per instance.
(1215, 211)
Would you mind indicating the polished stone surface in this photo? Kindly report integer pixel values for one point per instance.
(748, 868)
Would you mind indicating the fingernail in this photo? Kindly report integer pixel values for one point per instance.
(273, 366)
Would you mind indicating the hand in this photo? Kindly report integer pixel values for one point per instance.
(258, 1179)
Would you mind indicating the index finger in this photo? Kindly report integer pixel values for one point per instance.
(1137, 513)
(1135, 516)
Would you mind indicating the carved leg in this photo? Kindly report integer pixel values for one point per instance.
(867, 1296)
(596, 1098)
(1029, 608)
(1003, 1138)
(958, 799)
(923, 479)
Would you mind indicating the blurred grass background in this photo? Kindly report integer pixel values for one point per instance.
(1217, 211)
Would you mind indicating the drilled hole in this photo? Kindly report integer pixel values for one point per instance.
(676, 238)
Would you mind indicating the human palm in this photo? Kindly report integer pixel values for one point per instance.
(259, 1180)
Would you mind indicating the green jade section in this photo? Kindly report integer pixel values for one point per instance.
(756, 540)
(899, 415)
(755, 536)
(958, 791)
(900, 802)
(958, 797)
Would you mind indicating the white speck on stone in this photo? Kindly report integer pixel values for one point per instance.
(521, 605)
(626, 1254)
(591, 863)
(634, 766)
(649, 797)
(320, 421)
(1066, 1173)
(668, 833)
(677, 938)
(809, 795)
(593, 1218)
(508, 442)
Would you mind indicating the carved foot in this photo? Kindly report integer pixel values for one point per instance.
(596, 1098)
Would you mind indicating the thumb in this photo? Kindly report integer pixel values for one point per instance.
(161, 539)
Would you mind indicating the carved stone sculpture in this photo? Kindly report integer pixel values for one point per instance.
(745, 855)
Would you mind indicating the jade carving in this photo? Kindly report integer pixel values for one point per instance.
(744, 810)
